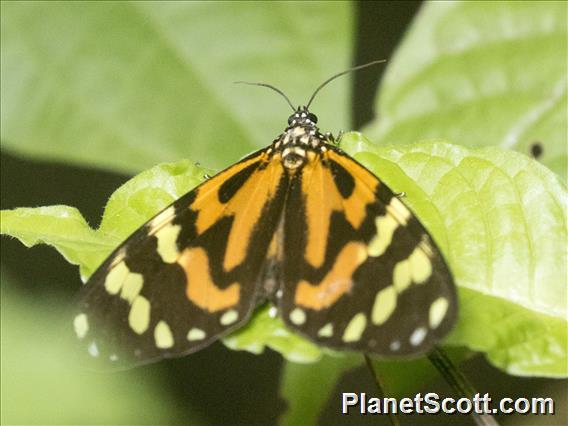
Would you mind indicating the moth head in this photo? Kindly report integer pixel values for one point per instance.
(302, 117)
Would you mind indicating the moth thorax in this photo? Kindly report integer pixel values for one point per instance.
(293, 157)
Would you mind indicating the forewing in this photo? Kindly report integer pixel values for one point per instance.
(360, 272)
(190, 274)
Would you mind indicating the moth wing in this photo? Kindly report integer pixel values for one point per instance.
(189, 275)
(360, 271)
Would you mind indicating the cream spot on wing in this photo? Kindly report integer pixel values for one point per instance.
(131, 287)
(81, 325)
(398, 210)
(298, 316)
(361, 254)
(93, 350)
(115, 278)
(195, 334)
(355, 328)
(426, 246)
(118, 257)
(401, 276)
(420, 266)
(386, 225)
(162, 217)
(167, 246)
(326, 330)
(139, 316)
(438, 310)
(384, 306)
(113, 357)
(163, 335)
(229, 317)
(394, 346)
(418, 336)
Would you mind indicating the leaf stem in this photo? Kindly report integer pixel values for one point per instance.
(459, 383)
(380, 388)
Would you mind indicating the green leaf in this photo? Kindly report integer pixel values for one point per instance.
(480, 73)
(126, 85)
(265, 331)
(128, 208)
(149, 192)
(62, 227)
(42, 383)
(500, 219)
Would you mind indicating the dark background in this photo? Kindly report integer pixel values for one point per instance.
(238, 385)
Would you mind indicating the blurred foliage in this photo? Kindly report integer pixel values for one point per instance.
(51, 386)
(125, 85)
(152, 81)
(480, 74)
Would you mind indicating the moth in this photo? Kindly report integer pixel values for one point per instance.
(299, 225)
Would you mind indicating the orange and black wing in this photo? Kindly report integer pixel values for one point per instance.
(190, 274)
(360, 272)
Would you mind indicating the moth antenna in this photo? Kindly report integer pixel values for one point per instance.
(270, 87)
(333, 77)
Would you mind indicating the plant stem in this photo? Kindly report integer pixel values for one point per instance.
(380, 388)
(459, 383)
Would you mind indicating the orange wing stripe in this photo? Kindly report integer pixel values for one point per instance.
(322, 198)
(246, 207)
(336, 283)
(201, 290)
(209, 208)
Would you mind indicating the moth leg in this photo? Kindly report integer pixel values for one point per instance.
(332, 139)
(400, 194)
